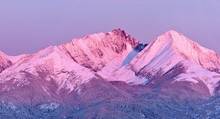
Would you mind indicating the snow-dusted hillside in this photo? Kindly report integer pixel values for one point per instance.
(109, 73)
(174, 61)
(62, 69)
(4, 62)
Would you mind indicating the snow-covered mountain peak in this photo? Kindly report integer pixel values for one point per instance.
(97, 50)
(113, 56)
(73, 63)
(176, 41)
(4, 61)
(2, 54)
(116, 36)
(193, 51)
(176, 47)
(181, 43)
(173, 52)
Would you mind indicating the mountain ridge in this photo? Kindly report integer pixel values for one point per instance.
(101, 55)
(112, 75)
(172, 52)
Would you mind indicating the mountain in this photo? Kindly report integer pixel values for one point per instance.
(110, 75)
(63, 69)
(175, 64)
(4, 61)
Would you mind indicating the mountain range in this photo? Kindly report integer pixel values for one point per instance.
(112, 75)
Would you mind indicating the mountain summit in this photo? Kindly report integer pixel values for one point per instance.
(98, 69)
(174, 61)
(173, 44)
(98, 50)
(4, 61)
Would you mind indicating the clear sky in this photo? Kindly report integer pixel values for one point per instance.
(29, 25)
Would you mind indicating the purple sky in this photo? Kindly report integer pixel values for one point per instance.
(29, 25)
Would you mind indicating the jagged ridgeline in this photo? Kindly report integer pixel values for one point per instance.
(112, 76)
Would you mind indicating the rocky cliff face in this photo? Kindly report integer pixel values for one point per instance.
(176, 59)
(96, 73)
(4, 62)
(98, 50)
(62, 69)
